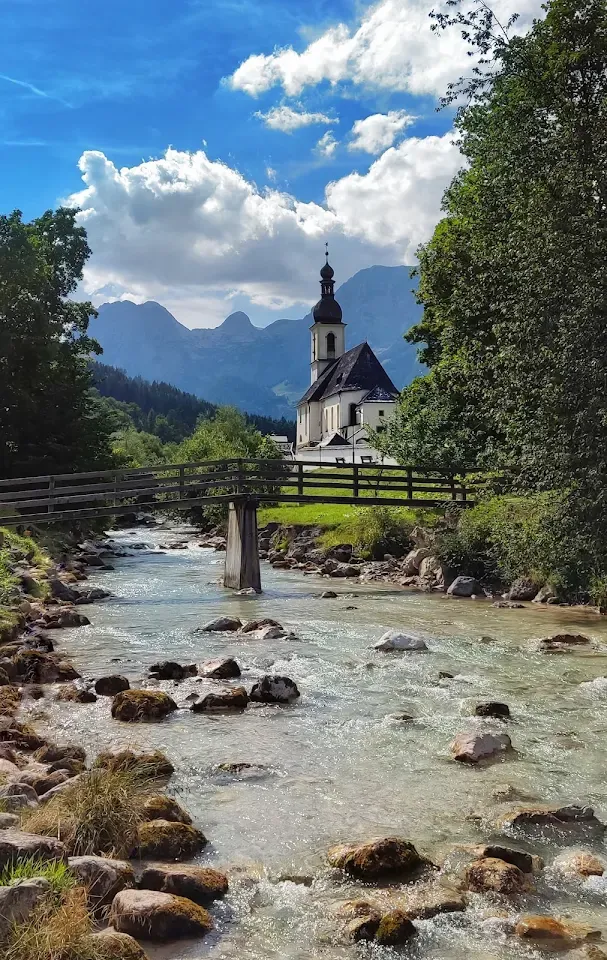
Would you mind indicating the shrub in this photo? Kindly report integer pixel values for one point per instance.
(98, 814)
(379, 530)
(54, 933)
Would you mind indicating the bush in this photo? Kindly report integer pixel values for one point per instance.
(376, 531)
(56, 932)
(539, 536)
(99, 814)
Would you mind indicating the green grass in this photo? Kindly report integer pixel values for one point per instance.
(14, 547)
(58, 874)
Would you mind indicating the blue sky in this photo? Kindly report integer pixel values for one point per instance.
(253, 87)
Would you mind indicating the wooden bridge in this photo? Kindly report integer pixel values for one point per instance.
(240, 483)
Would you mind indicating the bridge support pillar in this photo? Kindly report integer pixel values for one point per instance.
(242, 554)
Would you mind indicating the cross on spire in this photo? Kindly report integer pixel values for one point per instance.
(327, 250)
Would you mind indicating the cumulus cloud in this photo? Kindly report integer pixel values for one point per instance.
(392, 48)
(184, 227)
(327, 145)
(287, 119)
(379, 131)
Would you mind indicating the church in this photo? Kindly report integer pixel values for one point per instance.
(349, 392)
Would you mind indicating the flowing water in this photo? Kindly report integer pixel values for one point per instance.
(335, 765)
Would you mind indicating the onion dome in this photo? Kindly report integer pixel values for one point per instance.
(327, 310)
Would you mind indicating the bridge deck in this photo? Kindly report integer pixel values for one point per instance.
(181, 486)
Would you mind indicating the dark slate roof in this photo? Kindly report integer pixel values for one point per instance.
(379, 395)
(335, 441)
(358, 369)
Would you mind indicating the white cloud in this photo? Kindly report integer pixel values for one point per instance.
(287, 119)
(327, 145)
(379, 131)
(271, 174)
(392, 48)
(186, 228)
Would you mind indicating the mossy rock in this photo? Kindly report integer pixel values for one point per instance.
(158, 916)
(142, 706)
(71, 693)
(161, 807)
(203, 885)
(108, 944)
(35, 666)
(166, 840)
(388, 857)
(149, 765)
(394, 928)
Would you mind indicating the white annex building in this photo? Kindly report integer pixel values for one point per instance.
(350, 389)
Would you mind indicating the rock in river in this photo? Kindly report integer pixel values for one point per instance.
(274, 690)
(222, 668)
(169, 670)
(142, 706)
(393, 640)
(465, 587)
(110, 686)
(553, 933)
(571, 820)
(203, 885)
(236, 698)
(148, 764)
(222, 625)
(394, 928)
(578, 863)
(167, 840)
(474, 747)
(386, 858)
(493, 708)
(152, 915)
(491, 875)
(158, 806)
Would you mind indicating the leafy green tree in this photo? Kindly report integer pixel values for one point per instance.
(227, 435)
(49, 421)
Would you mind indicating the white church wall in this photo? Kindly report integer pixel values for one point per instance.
(376, 415)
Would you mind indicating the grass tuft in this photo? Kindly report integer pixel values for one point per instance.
(55, 872)
(55, 933)
(99, 814)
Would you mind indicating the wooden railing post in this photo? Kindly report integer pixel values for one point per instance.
(300, 479)
(355, 480)
(181, 482)
(410, 483)
(453, 490)
(51, 494)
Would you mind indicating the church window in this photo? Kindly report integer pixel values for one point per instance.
(381, 413)
(330, 346)
(352, 415)
(332, 417)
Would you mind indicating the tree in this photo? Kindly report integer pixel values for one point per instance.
(49, 421)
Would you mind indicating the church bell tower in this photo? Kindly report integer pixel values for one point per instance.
(328, 331)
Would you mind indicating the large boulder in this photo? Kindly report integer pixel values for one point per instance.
(563, 642)
(169, 670)
(431, 572)
(222, 625)
(252, 626)
(147, 764)
(102, 877)
(221, 668)
(168, 840)
(274, 690)
(160, 807)
(520, 859)
(474, 747)
(53, 752)
(494, 709)
(152, 915)
(203, 885)
(19, 901)
(491, 875)
(386, 858)
(465, 587)
(111, 685)
(62, 591)
(552, 933)
(142, 706)
(523, 589)
(42, 781)
(15, 845)
(570, 820)
(412, 562)
(235, 698)
(394, 640)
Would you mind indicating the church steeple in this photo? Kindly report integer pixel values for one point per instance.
(328, 330)
(327, 310)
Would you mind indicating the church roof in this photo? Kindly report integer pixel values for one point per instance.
(379, 395)
(335, 440)
(358, 369)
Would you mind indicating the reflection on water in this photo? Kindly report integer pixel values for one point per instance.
(335, 765)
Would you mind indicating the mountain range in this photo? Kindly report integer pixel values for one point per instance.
(260, 369)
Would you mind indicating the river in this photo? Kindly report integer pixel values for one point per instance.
(335, 765)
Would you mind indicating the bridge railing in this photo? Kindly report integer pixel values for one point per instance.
(103, 493)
